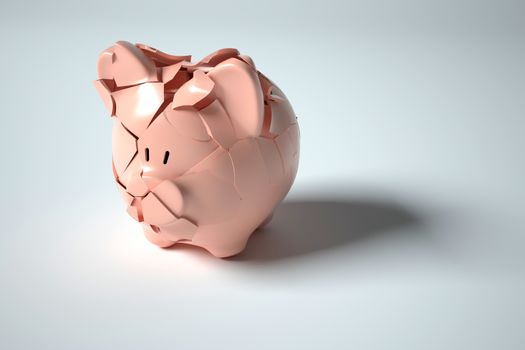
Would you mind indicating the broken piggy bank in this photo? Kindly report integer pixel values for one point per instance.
(202, 152)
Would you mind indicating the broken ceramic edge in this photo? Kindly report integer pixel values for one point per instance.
(155, 212)
(160, 56)
(128, 198)
(105, 94)
(267, 155)
(283, 162)
(244, 172)
(137, 186)
(170, 195)
(267, 121)
(130, 66)
(125, 145)
(134, 213)
(211, 161)
(237, 190)
(223, 135)
(219, 56)
(247, 59)
(196, 92)
(136, 106)
(285, 147)
(168, 73)
(197, 130)
(105, 60)
(159, 112)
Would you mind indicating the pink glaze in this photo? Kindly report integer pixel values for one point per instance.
(202, 152)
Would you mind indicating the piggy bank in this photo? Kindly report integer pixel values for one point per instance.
(202, 152)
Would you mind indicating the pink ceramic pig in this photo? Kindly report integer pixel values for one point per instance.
(202, 152)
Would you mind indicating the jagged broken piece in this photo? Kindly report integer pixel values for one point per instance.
(171, 196)
(251, 173)
(155, 212)
(128, 198)
(187, 122)
(130, 66)
(218, 164)
(218, 56)
(124, 147)
(168, 73)
(218, 124)
(162, 58)
(197, 92)
(286, 150)
(137, 105)
(134, 213)
(272, 159)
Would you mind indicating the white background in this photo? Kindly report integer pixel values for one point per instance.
(404, 229)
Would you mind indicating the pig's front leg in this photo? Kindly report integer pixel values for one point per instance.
(207, 199)
(156, 238)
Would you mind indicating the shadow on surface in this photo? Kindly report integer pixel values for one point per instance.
(304, 226)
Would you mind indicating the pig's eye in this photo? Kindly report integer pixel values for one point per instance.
(147, 154)
(166, 156)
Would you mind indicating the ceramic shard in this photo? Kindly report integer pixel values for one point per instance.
(218, 124)
(171, 196)
(249, 167)
(218, 164)
(187, 122)
(218, 56)
(272, 159)
(137, 105)
(130, 66)
(197, 92)
(155, 212)
(124, 147)
(160, 57)
(286, 150)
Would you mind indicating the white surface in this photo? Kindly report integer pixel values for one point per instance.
(405, 228)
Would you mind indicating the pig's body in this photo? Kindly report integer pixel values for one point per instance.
(202, 153)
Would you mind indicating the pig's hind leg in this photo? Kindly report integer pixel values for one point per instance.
(265, 222)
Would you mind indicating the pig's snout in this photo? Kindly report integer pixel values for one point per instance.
(149, 177)
(142, 182)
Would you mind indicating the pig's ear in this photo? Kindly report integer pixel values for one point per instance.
(126, 65)
(238, 89)
(122, 65)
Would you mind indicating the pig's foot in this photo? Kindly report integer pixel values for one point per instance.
(157, 239)
(226, 251)
(265, 221)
